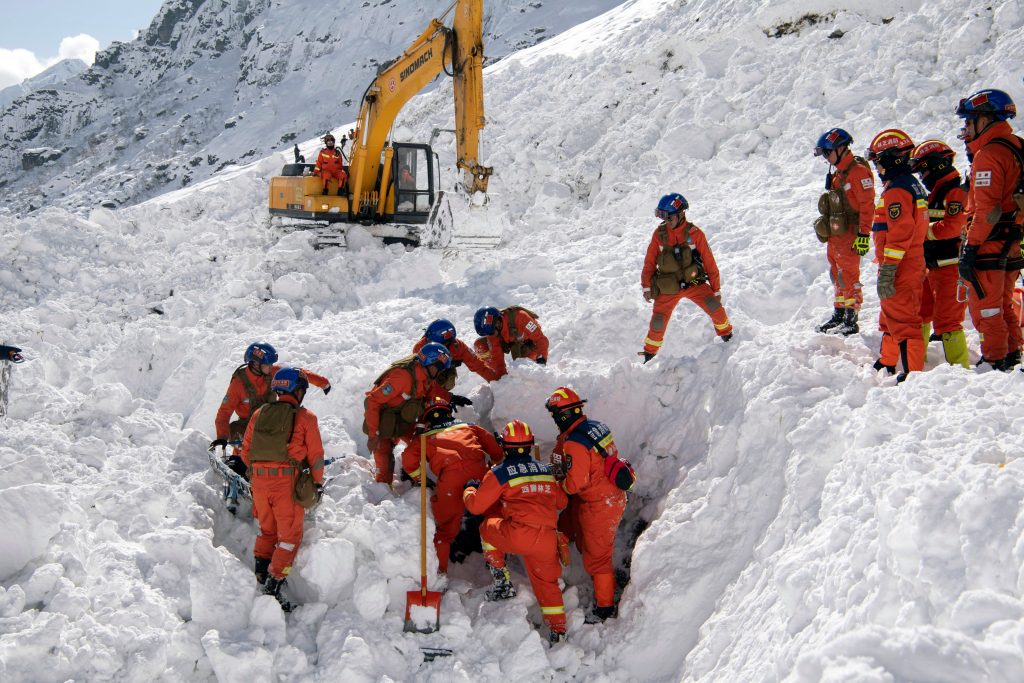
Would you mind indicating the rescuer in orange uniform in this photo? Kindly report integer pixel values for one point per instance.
(443, 332)
(513, 330)
(248, 390)
(991, 259)
(900, 229)
(456, 453)
(397, 400)
(282, 437)
(330, 165)
(596, 504)
(525, 524)
(679, 264)
(932, 161)
(847, 208)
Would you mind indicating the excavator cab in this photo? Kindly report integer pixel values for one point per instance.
(413, 178)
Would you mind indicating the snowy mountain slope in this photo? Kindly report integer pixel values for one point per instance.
(802, 519)
(215, 83)
(53, 76)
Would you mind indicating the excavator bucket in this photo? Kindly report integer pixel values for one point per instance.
(478, 223)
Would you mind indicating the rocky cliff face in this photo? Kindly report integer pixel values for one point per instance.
(212, 83)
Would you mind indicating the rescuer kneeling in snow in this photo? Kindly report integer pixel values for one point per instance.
(282, 438)
(679, 264)
(524, 524)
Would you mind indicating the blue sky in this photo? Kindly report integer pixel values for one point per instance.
(39, 25)
(35, 34)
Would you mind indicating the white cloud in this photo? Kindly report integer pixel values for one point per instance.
(17, 65)
(82, 46)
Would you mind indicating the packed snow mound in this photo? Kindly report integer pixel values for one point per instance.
(797, 517)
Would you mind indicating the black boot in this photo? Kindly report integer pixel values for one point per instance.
(837, 319)
(261, 565)
(599, 614)
(1012, 359)
(647, 356)
(879, 365)
(849, 325)
(502, 588)
(273, 587)
(556, 637)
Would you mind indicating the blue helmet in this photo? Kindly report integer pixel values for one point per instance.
(988, 102)
(288, 381)
(485, 319)
(670, 205)
(262, 353)
(433, 353)
(440, 331)
(832, 139)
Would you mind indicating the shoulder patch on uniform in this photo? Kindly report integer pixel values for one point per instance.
(531, 326)
(983, 179)
(867, 183)
(895, 210)
(953, 208)
(387, 389)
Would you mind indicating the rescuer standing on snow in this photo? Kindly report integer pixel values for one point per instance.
(991, 259)
(899, 234)
(679, 264)
(932, 161)
(586, 462)
(281, 439)
(846, 208)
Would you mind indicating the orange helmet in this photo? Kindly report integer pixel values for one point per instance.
(931, 156)
(563, 398)
(891, 150)
(517, 437)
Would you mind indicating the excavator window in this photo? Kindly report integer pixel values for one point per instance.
(414, 181)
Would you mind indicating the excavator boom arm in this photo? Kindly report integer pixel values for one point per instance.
(460, 51)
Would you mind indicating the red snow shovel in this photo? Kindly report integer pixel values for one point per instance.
(423, 607)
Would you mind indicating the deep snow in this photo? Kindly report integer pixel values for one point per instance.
(802, 518)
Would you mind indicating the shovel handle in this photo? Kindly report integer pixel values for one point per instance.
(423, 515)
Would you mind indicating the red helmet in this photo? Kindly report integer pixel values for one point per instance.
(891, 141)
(931, 155)
(438, 409)
(517, 436)
(563, 398)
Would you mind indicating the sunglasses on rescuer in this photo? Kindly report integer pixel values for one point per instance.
(662, 213)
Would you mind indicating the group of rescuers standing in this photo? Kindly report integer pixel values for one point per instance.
(928, 244)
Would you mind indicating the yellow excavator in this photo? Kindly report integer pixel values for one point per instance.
(393, 188)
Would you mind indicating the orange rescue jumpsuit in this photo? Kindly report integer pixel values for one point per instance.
(491, 350)
(899, 231)
(330, 166)
(941, 252)
(704, 294)
(460, 352)
(858, 184)
(530, 499)
(238, 399)
(280, 518)
(994, 225)
(595, 504)
(456, 453)
(395, 388)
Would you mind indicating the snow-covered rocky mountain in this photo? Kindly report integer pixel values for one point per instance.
(51, 77)
(167, 109)
(798, 517)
